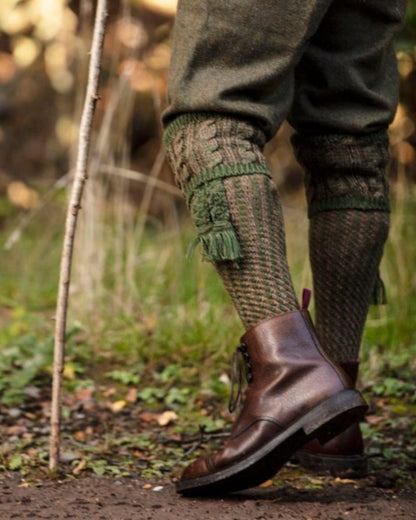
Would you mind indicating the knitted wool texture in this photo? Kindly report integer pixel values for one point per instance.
(219, 165)
(346, 247)
(348, 203)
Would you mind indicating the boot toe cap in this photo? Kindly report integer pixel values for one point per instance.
(197, 468)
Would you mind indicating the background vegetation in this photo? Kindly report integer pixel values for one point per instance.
(150, 332)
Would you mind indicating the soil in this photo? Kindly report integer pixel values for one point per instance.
(121, 464)
(96, 498)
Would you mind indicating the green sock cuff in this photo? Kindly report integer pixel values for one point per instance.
(326, 154)
(204, 149)
(331, 139)
(348, 202)
(182, 121)
(344, 171)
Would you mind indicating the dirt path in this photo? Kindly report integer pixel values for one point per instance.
(96, 498)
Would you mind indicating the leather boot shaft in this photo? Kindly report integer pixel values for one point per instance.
(288, 367)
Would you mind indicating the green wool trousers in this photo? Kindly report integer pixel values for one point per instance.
(327, 65)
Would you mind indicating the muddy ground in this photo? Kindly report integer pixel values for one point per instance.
(95, 498)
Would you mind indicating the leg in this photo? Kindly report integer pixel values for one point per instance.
(346, 98)
(228, 94)
(219, 165)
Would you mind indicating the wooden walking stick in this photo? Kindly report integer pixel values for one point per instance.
(70, 226)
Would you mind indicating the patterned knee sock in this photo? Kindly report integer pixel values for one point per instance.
(219, 165)
(349, 221)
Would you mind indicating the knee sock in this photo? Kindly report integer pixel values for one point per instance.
(348, 208)
(218, 163)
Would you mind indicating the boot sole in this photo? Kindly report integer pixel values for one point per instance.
(324, 422)
(353, 466)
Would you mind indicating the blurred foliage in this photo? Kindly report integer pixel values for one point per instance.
(44, 48)
(132, 332)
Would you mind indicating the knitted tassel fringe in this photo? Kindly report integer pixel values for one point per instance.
(217, 245)
(221, 245)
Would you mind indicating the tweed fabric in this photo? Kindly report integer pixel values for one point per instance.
(327, 65)
(346, 247)
(219, 165)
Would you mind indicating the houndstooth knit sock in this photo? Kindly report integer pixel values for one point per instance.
(219, 165)
(349, 222)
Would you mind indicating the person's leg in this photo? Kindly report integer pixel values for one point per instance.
(219, 165)
(346, 98)
(230, 88)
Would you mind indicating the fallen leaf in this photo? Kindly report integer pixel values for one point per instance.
(148, 417)
(315, 481)
(109, 392)
(147, 486)
(166, 418)
(266, 484)
(79, 435)
(374, 419)
(131, 396)
(32, 452)
(69, 372)
(224, 378)
(138, 454)
(15, 430)
(339, 480)
(79, 467)
(117, 406)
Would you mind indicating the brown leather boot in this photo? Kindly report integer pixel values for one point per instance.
(295, 394)
(344, 454)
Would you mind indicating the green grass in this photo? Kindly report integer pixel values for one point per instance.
(169, 333)
(180, 315)
(390, 335)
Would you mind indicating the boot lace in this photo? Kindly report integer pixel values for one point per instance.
(240, 358)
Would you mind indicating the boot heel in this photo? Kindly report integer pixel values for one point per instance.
(334, 415)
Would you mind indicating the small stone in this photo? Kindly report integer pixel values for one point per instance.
(15, 413)
(69, 456)
(32, 391)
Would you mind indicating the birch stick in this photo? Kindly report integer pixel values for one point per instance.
(74, 206)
